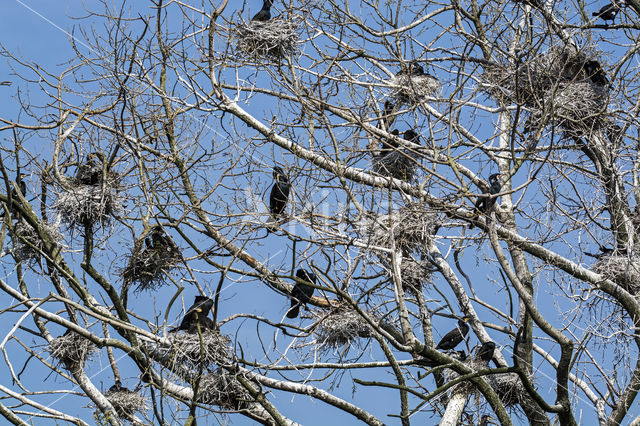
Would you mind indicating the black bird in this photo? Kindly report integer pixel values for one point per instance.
(595, 73)
(118, 387)
(162, 244)
(608, 251)
(198, 314)
(484, 203)
(485, 353)
(413, 69)
(279, 193)
(301, 293)
(411, 136)
(455, 336)
(89, 173)
(389, 145)
(265, 13)
(608, 12)
(388, 116)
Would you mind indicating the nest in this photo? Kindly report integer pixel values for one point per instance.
(623, 270)
(27, 244)
(71, 349)
(186, 353)
(400, 164)
(149, 266)
(224, 390)
(414, 274)
(275, 38)
(509, 388)
(413, 89)
(411, 228)
(127, 402)
(340, 327)
(87, 205)
(555, 81)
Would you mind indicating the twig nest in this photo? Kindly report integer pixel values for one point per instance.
(400, 164)
(411, 228)
(224, 390)
(413, 89)
(275, 38)
(556, 81)
(82, 205)
(127, 402)
(623, 270)
(187, 352)
(340, 327)
(27, 244)
(414, 274)
(466, 386)
(149, 266)
(71, 349)
(509, 388)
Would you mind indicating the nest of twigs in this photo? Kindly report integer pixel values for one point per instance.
(509, 388)
(149, 266)
(71, 349)
(465, 386)
(27, 243)
(224, 390)
(127, 402)
(623, 270)
(414, 274)
(88, 205)
(275, 38)
(400, 164)
(340, 327)
(556, 82)
(413, 89)
(187, 352)
(410, 228)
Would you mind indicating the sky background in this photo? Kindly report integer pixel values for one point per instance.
(40, 31)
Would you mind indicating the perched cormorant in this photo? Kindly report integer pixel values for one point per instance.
(485, 353)
(265, 13)
(411, 136)
(15, 212)
(595, 73)
(301, 293)
(413, 69)
(608, 251)
(118, 387)
(89, 173)
(389, 145)
(608, 12)
(198, 314)
(162, 243)
(455, 336)
(484, 203)
(279, 193)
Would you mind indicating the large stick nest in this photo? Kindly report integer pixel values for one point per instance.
(82, 205)
(509, 388)
(224, 390)
(127, 402)
(275, 38)
(149, 266)
(413, 89)
(400, 164)
(71, 349)
(340, 327)
(413, 273)
(27, 244)
(623, 270)
(555, 82)
(188, 352)
(411, 228)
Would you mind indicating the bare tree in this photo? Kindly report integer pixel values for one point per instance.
(382, 123)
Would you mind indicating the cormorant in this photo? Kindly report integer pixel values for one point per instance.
(162, 243)
(389, 145)
(265, 13)
(595, 73)
(455, 336)
(608, 251)
(198, 314)
(15, 211)
(485, 353)
(413, 69)
(607, 12)
(89, 173)
(118, 387)
(411, 136)
(388, 116)
(484, 203)
(279, 193)
(301, 293)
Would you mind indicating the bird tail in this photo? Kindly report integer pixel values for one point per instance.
(294, 311)
(595, 14)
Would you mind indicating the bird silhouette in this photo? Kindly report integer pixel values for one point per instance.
(301, 293)
(265, 13)
(196, 315)
(455, 336)
(484, 203)
(607, 12)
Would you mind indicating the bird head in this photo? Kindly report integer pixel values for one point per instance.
(415, 68)
(486, 351)
(494, 178)
(279, 174)
(395, 132)
(22, 176)
(305, 275)
(465, 319)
